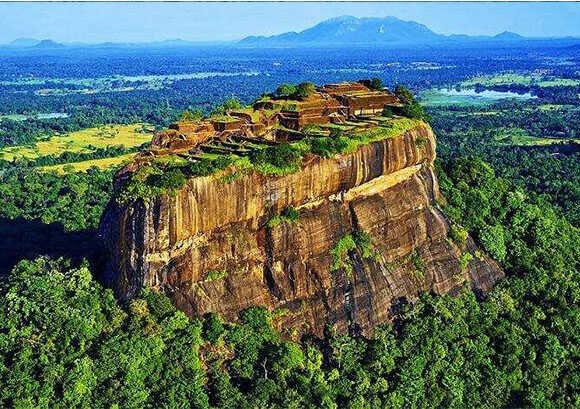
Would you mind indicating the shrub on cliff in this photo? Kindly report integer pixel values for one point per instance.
(411, 108)
(169, 180)
(328, 146)
(205, 167)
(289, 215)
(150, 181)
(286, 90)
(229, 104)
(279, 159)
(304, 89)
(192, 115)
(374, 84)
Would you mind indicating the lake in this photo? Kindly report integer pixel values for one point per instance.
(436, 97)
(20, 117)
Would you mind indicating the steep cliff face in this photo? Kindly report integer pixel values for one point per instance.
(210, 246)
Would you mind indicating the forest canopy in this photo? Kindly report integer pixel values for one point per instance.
(66, 342)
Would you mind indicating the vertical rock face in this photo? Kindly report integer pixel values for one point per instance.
(210, 248)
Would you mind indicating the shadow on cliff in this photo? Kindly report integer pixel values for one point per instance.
(28, 239)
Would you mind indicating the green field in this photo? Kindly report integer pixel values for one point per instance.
(513, 78)
(85, 165)
(519, 137)
(84, 141)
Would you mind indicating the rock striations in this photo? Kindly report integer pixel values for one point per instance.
(366, 232)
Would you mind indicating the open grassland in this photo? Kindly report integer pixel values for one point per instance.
(84, 141)
(519, 137)
(87, 164)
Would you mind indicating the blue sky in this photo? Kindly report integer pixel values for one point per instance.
(138, 22)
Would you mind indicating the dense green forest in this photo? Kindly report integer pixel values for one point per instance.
(76, 200)
(66, 342)
(551, 170)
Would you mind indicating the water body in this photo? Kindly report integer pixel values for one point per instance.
(50, 115)
(469, 97)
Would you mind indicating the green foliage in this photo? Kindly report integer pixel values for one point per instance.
(374, 84)
(304, 89)
(65, 342)
(358, 240)
(286, 90)
(336, 133)
(213, 275)
(340, 251)
(465, 260)
(411, 108)
(170, 180)
(291, 91)
(418, 264)
(279, 159)
(421, 142)
(493, 239)
(232, 103)
(459, 235)
(206, 167)
(338, 143)
(228, 105)
(150, 181)
(388, 112)
(363, 243)
(328, 146)
(75, 200)
(165, 178)
(213, 327)
(289, 215)
(192, 115)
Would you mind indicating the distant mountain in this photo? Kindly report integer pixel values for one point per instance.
(352, 30)
(508, 36)
(48, 44)
(347, 30)
(24, 42)
(176, 42)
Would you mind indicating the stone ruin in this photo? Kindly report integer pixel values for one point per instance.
(272, 120)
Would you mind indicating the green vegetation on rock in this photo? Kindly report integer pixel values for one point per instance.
(289, 215)
(358, 240)
(339, 253)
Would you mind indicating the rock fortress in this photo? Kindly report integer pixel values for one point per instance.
(321, 205)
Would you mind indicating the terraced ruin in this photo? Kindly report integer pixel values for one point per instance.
(346, 107)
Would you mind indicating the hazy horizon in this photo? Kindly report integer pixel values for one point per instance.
(209, 22)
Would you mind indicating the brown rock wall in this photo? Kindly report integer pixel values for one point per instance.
(209, 247)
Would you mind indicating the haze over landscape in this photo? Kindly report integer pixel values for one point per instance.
(146, 22)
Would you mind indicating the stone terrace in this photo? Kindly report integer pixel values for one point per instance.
(272, 120)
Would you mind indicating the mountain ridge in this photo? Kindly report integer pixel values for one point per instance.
(337, 31)
(369, 30)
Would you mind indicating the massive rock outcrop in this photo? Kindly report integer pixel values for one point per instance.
(210, 247)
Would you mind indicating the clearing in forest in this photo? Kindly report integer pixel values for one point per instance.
(83, 141)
